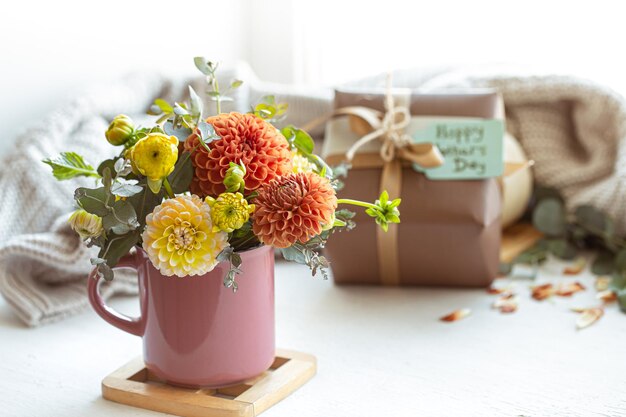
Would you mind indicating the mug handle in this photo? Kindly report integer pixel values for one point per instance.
(131, 325)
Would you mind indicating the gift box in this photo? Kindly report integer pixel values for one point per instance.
(450, 229)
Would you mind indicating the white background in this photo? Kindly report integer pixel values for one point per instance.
(49, 50)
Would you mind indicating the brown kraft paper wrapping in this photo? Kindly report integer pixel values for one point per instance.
(450, 230)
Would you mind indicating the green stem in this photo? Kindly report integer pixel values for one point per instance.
(168, 188)
(216, 88)
(357, 203)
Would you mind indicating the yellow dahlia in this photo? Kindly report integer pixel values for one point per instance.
(86, 224)
(245, 139)
(155, 155)
(301, 163)
(179, 237)
(293, 208)
(229, 211)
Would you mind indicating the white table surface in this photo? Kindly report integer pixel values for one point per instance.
(381, 352)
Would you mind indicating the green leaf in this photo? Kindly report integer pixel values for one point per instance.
(298, 139)
(181, 177)
(561, 248)
(105, 271)
(122, 218)
(537, 254)
(618, 281)
(118, 246)
(593, 219)
(235, 84)
(70, 165)
(196, 103)
(603, 264)
(549, 217)
(163, 105)
(92, 200)
(505, 268)
(620, 261)
(180, 110)
(621, 299)
(202, 64)
(107, 163)
(182, 133)
(122, 187)
(144, 203)
(293, 255)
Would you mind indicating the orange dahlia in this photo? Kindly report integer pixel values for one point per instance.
(245, 138)
(293, 208)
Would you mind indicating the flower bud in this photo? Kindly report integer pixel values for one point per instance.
(120, 130)
(87, 225)
(234, 178)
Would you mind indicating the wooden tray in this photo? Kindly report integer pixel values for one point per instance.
(516, 239)
(134, 385)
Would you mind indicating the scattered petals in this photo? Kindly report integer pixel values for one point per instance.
(608, 296)
(588, 316)
(576, 268)
(457, 315)
(506, 303)
(602, 283)
(567, 290)
(541, 292)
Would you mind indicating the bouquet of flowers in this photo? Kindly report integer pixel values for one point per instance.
(193, 192)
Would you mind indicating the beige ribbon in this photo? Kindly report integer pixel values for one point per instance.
(396, 145)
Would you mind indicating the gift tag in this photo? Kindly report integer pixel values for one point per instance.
(472, 148)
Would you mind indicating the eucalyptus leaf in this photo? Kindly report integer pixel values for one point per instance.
(180, 110)
(107, 163)
(620, 261)
(122, 218)
(603, 264)
(202, 65)
(549, 217)
(118, 246)
(144, 203)
(182, 133)
(122, 187)
(561, 248)
(105, 271)
(592, 218)
(621, 300)
(92, 200)
(196, 103)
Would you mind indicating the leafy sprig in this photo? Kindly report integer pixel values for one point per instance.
(70, 165)
(567, 233)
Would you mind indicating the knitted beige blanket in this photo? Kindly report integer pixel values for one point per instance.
(573, 129)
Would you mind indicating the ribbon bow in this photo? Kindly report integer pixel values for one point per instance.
(389, 127)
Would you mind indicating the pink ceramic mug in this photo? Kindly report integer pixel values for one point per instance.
(195, 331)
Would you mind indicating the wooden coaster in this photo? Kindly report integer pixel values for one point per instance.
(516, 239)
(134, 385)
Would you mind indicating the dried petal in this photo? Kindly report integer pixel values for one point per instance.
(588, 317)
(608, 296)
(506, 304)
(567, 290)
(602, 283)
(456, 315)
(576, 268)
(497, 291)
(541, 292)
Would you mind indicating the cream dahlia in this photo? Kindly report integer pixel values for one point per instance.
(293, 208)
(245, 139)
(179, 237)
